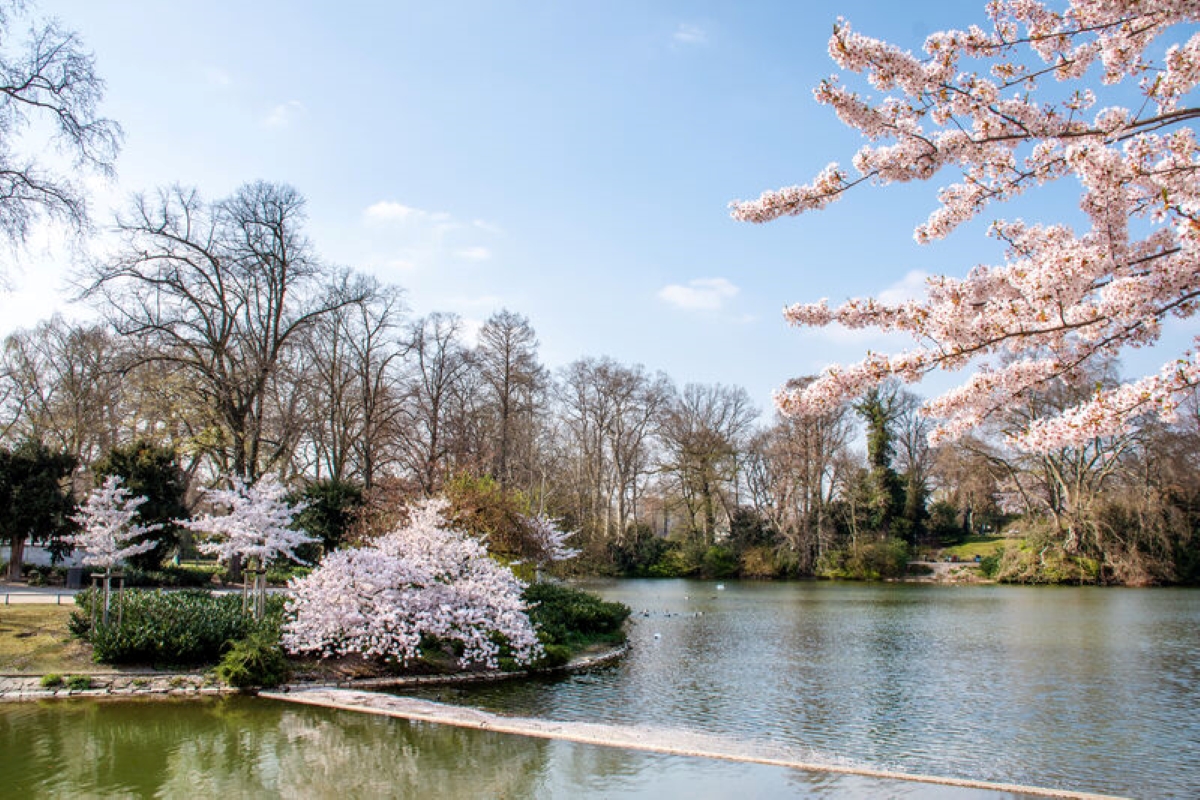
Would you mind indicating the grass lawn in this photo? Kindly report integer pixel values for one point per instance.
(34, 640)
(975, 546)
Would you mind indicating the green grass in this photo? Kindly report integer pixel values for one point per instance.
(34, 640)
(975, 546)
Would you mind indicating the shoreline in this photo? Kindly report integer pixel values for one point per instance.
(155, 683)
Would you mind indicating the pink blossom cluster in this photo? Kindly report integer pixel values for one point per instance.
(1062, 298)
(109, 532)
(550, 540)
(424, 578)
(257, 524)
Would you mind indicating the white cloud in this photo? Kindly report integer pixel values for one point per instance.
(690, 34)
(910, 287)
(391, 211)
(388, 211)
(284, 114)
(474, 253)
(702, 294)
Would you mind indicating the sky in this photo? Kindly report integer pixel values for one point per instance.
(569, 161)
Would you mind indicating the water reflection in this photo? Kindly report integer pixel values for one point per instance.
(1077, 688)
(247, 748)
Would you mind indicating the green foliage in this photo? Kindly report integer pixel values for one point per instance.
(989, 565)
(79, 683)
(482, 507)
(35, 501)
(1035, 561)
(153, 472)
(567, 616)
(944, 526)
(172, 577)
(331, 506)
(177, 628)
(719, 562)
(257, 660)
(52, 680)
(885, 558)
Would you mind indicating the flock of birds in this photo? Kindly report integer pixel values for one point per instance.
(647, 613)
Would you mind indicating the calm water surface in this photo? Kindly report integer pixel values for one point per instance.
(246, 748)
(1076, 688)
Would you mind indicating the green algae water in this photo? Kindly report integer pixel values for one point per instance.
(239, 747)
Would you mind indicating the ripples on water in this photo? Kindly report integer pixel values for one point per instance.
(1077, 688)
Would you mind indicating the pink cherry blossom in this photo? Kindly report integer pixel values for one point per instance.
(257, 525)
(109, 532)
(424, 578)
(975, 103)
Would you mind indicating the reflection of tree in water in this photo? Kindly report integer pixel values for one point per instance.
(241, 747)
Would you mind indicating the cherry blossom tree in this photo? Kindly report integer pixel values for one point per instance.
(257, 527)
(109, 530)
(981, 103)
(550, 540)
(426, 578)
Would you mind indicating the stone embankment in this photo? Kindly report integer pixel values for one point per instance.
(162, 684)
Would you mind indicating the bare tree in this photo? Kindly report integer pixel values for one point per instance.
(793, 473)
(436, 398)
(221, 292)
(65, 386)
(704, 435)
(352, 360)
(610, 415)
(48, 80)
(506, 357)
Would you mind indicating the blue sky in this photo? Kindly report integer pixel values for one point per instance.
(571, 161)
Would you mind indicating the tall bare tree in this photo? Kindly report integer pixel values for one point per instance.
(437, 398)
(506, 357)
(704, 435)
(221, 292)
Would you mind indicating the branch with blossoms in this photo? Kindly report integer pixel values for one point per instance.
(1061, 299)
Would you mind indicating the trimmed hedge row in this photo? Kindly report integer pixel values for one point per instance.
(190, 627)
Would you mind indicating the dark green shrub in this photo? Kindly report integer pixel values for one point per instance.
(255, 661)
(178, 628)
(566, 616)
(52, 680)
(719, 562)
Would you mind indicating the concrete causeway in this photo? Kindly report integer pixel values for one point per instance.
(670, 742)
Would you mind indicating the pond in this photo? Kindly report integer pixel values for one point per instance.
(239, 747)
(1075, 688)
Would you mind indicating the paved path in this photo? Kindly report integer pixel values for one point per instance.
(14, 593)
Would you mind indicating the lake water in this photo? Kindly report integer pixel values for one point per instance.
(238, 747)
(1075, 688)
(1083, 689)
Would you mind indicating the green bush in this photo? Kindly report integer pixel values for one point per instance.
(885, 558)
(719, 562)
(79, 683)
(177, 628)
(255, 661)
(52, 680)
(566, 616)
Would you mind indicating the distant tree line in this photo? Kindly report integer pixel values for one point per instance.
(229, 347)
